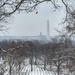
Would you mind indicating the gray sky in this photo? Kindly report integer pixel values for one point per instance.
(31, 24)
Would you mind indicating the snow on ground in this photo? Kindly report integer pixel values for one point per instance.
(36, 71)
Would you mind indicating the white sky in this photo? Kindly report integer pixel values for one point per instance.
(31, 24)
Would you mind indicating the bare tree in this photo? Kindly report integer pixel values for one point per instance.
(8, 7)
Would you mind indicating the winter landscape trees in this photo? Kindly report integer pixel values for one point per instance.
(54, 57)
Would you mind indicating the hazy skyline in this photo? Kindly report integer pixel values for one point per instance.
(31, 24)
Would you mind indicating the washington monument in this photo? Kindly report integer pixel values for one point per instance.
(48, 31)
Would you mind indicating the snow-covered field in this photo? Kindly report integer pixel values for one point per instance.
(36, 71)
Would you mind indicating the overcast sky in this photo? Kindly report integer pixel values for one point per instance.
(31, 24)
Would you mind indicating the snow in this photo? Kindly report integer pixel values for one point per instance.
(25, 69)
(36, 71)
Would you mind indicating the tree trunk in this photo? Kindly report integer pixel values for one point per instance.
(10, 68)
(19, 67)
(58, 70)
(31, 63)
(45, 61)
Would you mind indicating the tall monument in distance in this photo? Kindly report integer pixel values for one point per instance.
(47, 27)
(48, 31)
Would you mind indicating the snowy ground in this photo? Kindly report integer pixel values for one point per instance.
(25, 69)
(36, 71)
